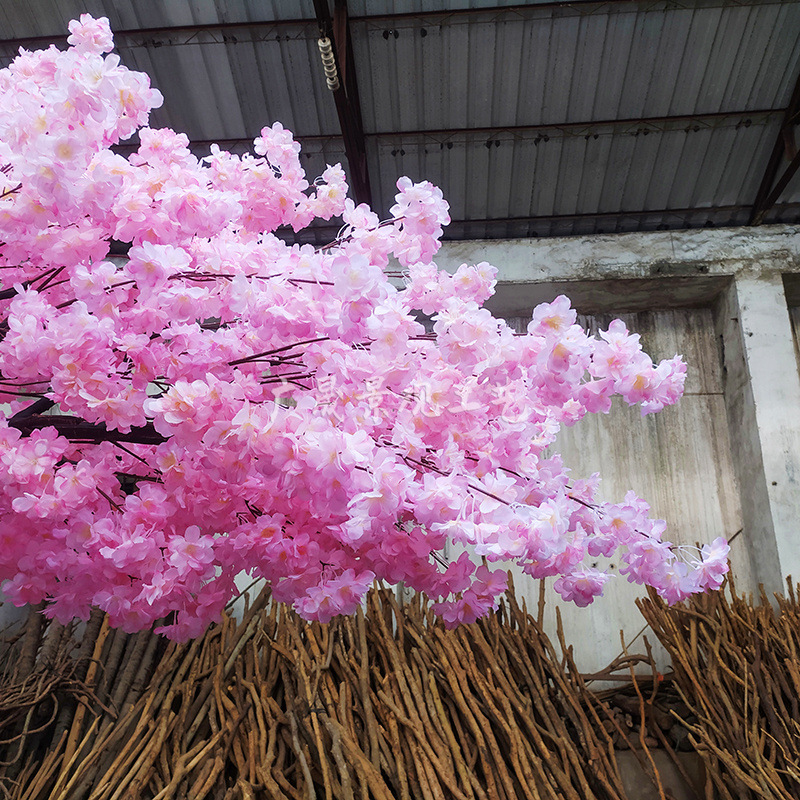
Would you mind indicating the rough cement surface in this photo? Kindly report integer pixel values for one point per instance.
(718, 251)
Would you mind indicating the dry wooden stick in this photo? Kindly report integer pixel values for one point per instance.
(32, 638)
(736, 670)
(387, 704)
(91, 677)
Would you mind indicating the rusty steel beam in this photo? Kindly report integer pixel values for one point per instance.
(184, 34)
(769, 201)
(691, 123)
(678, 213)
(772, 184)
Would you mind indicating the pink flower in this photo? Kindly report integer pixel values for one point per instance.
(490, 583)
(552, 318)
(191, 552)
(340, 595)
(91, 35)
(582, 586)
(150, 265)
(714, 564)
(464, 610)
(229, 402)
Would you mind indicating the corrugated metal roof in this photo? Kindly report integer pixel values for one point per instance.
(561, 173)
(542, 119)
(546, 68)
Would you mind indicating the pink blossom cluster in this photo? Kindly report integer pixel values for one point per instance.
(220, 401)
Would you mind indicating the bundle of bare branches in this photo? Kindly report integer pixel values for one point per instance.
(383, 705)
(737, 668)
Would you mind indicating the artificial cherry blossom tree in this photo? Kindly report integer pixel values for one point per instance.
(223, 401)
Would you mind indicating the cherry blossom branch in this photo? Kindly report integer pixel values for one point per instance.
(53, 273)
(48, 275)
(154, 355)
(346, 235)
(111, 502)
(259, 356)
(472, 486)
(137, 457)
(34, 409)
(582, 502)
(77, 429)
(8, 192)
(288, 377)
(206, 277)
(21, 393)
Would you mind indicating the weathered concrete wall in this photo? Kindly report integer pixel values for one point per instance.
(667, 254)
(726, 460)
(678, 460)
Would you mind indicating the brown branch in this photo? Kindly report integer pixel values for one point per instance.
(259, 356)
(34, 409)
(77, 429)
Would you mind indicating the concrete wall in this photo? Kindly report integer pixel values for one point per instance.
(678, 460)
(726, 460)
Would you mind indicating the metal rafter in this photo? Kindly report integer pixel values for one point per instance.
(348, 106)
(784, 148)
(186, 34)
(668, 218)
(690, 123)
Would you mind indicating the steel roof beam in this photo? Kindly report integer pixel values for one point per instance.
(769, 201)
(677, 213)
(605, 222)
(230, 28)
(190, 32)
(348, 105)
(691, 123)
(784, 148)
